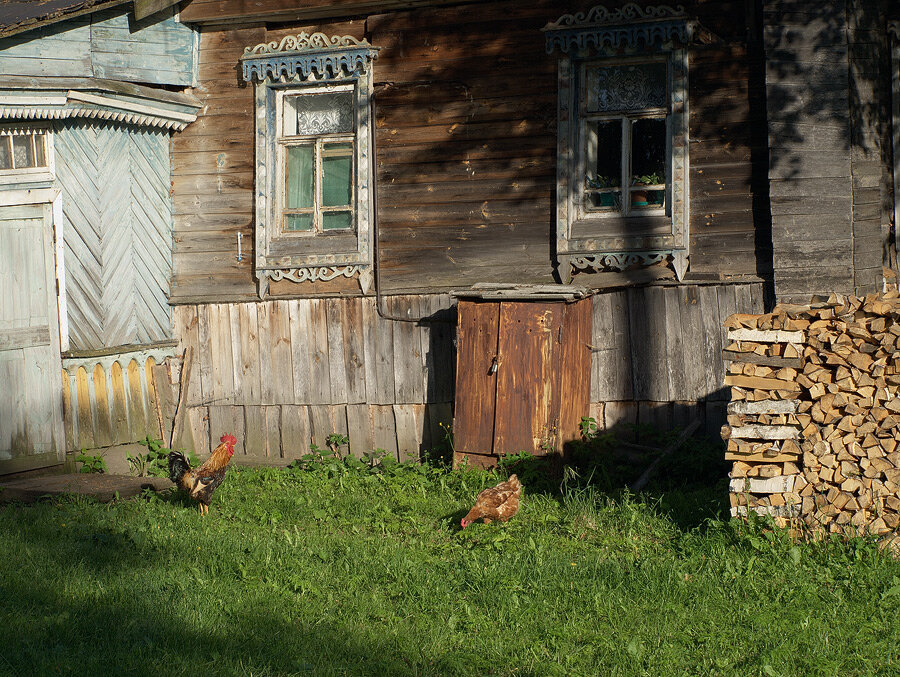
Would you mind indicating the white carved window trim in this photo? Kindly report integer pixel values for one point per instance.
(310, 63)
(37, 174)
(631, 34)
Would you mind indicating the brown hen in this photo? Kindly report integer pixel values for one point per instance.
(497, 503)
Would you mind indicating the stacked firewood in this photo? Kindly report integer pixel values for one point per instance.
(814, 421)
(764, 420)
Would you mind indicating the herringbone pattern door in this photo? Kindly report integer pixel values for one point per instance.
(115, 185)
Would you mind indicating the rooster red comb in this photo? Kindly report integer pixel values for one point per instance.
(230, 440)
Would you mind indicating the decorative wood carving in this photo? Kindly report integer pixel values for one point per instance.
(297, 62)
(594, 42)
(305, 54)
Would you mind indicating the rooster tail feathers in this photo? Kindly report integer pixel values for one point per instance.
(178, 466)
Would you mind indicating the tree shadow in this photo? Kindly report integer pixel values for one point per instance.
(60, 628)
(689, 486)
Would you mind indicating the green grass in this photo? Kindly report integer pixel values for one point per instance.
(337, 571)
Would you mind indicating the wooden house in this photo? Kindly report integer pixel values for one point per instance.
(287, 193)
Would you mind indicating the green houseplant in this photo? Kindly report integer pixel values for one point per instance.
(640, 198)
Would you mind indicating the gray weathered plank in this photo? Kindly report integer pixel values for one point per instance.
(337, 359)
(254, 430)
(299, 317)
(675, 357)
(359, 429)
(409, 382)
(646, 310)
(409, 420)
(280, 348)
(384, 430)
(320, 369)
(295, 433)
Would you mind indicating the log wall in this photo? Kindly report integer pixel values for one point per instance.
(465, 113)
(827, 94)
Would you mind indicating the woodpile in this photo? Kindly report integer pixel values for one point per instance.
(814, 419)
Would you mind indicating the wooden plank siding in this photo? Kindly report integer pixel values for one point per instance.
(656, 353)
(114, 181)
(115, 400)
(465, 153)
(827, 92)
(107, 44)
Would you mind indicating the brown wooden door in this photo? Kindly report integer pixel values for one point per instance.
(476, 379)
(527, 409)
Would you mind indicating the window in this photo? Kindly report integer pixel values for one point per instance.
(316, 160)
(313, 173)
(622, 138)
(25, 155)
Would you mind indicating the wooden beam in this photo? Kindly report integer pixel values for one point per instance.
(145, 8)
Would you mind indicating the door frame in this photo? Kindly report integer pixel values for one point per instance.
(59, 329)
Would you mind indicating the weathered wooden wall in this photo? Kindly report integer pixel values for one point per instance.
(117, 219)
(108, 44)
(279, 374)
(725, 159)
(111, 400)
(658, 353)
(465, 107)
(827, 100)
(870, 115)
(282, 374)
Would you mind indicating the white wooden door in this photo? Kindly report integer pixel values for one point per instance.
(31, 421)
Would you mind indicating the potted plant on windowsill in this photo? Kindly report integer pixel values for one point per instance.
(607, 198)
(640, 198)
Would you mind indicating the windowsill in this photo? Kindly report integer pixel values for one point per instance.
(25, 178)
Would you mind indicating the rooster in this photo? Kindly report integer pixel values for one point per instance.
(497, 503)
(200, 482)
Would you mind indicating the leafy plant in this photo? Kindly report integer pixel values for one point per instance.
(155, 463)
(91, 464)
(335, 441)
(652, 179)
(588, 427)
(602, 182)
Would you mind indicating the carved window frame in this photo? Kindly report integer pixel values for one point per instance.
(629, 35)
(309, 64)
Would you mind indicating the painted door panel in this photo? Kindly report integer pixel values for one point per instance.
(30, 387)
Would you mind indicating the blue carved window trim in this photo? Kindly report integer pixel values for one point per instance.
(298, 65)
(597, 239)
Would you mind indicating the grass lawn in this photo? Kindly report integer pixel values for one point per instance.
(340, 571)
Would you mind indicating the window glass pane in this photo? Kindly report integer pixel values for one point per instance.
(337, 174)
(298, 222)
(326, 113)
(336, 220)
(40, 152)
(5, 152)
(648, 161)
(300, 177)
(626, 88)
(23, 155)
(603, 163)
